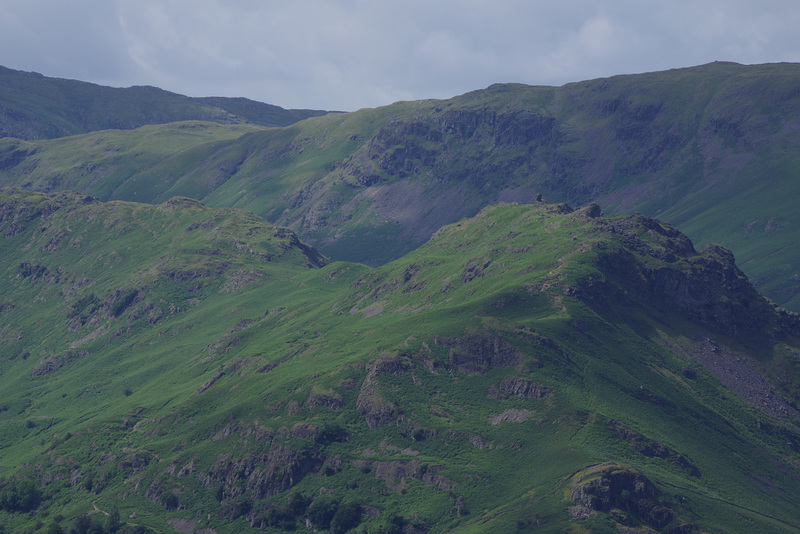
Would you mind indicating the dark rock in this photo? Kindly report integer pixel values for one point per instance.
(653, 449)
(525, 388)
(612, 486)
(592, 211)
(705, 287)
(395, 472)
(377, 411)
(32, 271)
(474, 268)
(477, 353)
(264, 473)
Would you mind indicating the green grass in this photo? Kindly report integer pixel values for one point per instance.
(241, 347)
(708, 149)
(44, 108)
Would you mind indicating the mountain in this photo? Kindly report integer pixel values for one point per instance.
(533, 368)
(711, 149)
(33, 106)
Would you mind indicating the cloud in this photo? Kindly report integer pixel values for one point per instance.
(597, 42)
(62, 38)
(346, 54)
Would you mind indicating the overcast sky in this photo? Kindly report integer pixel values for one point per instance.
(349, 54)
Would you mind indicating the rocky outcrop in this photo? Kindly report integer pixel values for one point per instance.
(31, 271)
(706, 287)
(394, 473)
(525, 388)
(652, 449)
(51, 363)
(378, 411)
(262, 474)
(328, 399)
(514, 415)
(474, 268)
(476, 353)
(610, 486)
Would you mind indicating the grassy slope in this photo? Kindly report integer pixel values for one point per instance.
(758, 226)
(38, 107)
(116, 162)
(711, 149)
(89, 256)
(216, 381)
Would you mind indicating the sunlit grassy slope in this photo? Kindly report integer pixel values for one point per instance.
(712, 149)
(184, 363)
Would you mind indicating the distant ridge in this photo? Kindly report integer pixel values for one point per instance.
(33, 106)
(714, 150)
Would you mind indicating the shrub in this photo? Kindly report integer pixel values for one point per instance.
(281, 519)
(170, 501)
(347, 517)
(231, 509)
(321, 512)
(298, 504)
(331, 432)
(20, 496)
(390, 523)
(122, 304)
(113, 522)
(81, 524)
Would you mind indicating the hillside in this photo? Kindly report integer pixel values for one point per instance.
(533, 368)
(711, 149)
(33, 106)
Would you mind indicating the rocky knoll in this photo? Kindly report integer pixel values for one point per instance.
(659, 266)
(627, 495)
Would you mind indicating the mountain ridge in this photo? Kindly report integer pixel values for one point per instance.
(711, 149)
(198, 366)
(33, 106)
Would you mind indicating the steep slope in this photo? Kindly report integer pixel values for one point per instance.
(33, 106)
(533, 368)
(712, 149)
(117, 163)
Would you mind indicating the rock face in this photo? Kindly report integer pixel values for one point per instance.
(652, 449)
(478, 354)
(706, 286)
(610, 486)
(264, 473)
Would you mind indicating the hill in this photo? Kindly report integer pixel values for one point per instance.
(533, 368)
(711, 149)
(33, 106)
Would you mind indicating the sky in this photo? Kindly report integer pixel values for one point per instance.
(350, 54)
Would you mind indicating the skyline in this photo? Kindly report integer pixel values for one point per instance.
(349, 54)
